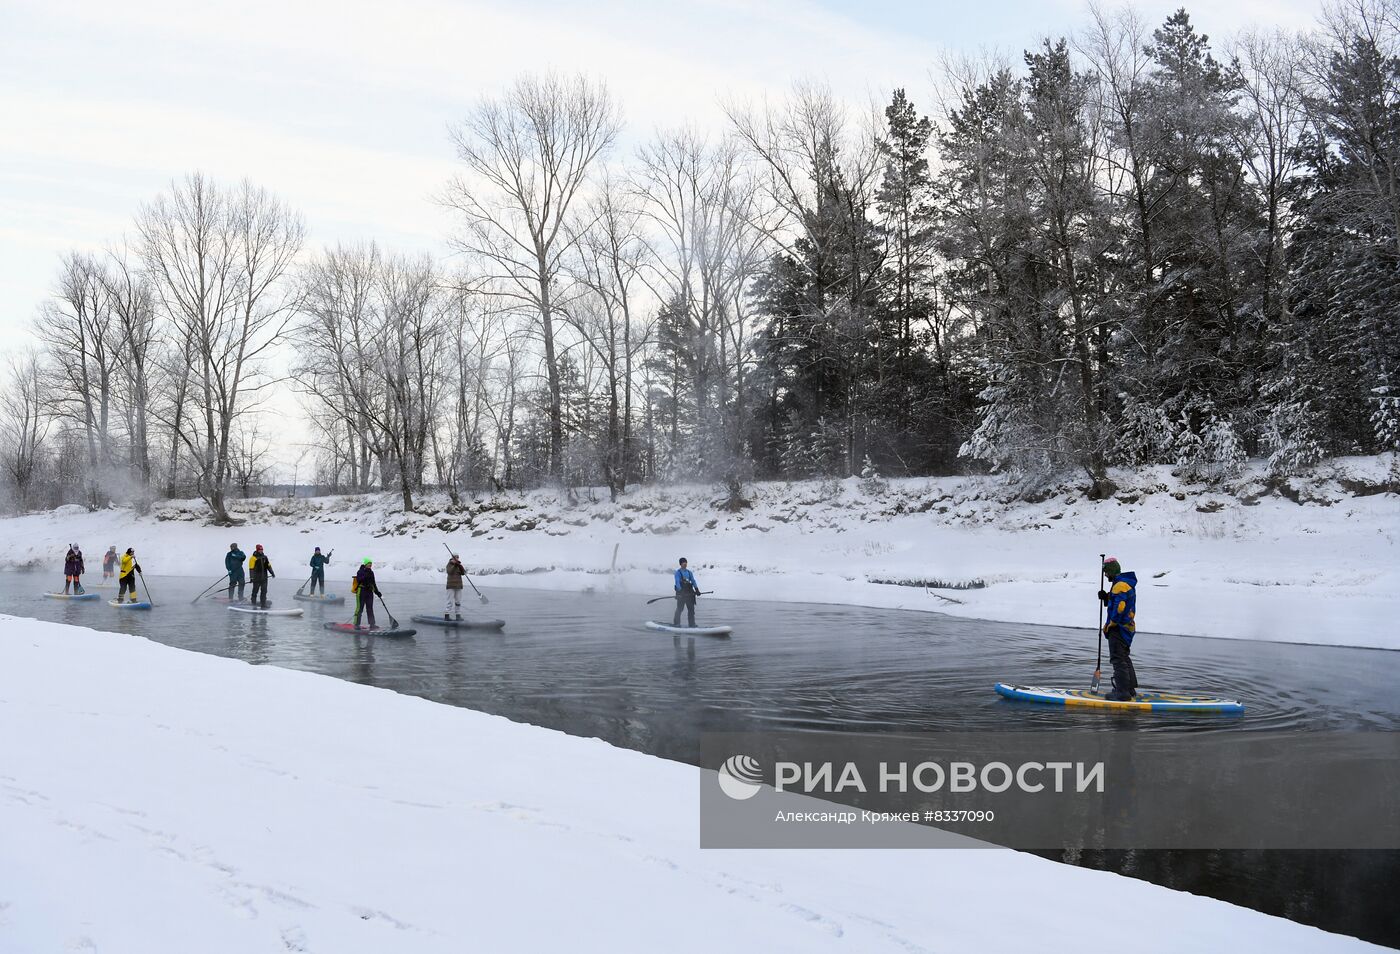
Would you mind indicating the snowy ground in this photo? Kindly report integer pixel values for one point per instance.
(1243, 561)
(157, 801)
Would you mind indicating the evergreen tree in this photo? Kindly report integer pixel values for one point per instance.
(1194, 346)
(820, 303)
(1335, 355)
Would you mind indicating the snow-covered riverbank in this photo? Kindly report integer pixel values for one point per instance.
(1249, 563)
(155, 800)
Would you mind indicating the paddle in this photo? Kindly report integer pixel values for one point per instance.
(146, 588)
(1098, 666)
(220, 580)
(479, 595)
(673, 596)
(393, 623)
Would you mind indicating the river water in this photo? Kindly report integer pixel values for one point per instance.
(584, 664)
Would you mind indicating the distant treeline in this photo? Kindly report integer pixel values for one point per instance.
(1128, 247)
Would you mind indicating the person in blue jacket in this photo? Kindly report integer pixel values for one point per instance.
(318, 571)
(1121, 600)
(686, 592)
(233, 563)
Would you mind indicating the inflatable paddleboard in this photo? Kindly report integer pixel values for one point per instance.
(1144, 702)
(459, 623)
(691, 630)
(123, 605)
(257, 611)
(328, 598)
(349, 629)
(74, 596)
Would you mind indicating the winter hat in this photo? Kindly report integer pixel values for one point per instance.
(1111, 567)
(233, 546)
(318, 549)
(367, 561)
(258, 547)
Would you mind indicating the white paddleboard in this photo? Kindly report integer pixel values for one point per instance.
(691, 630)
(256, 611)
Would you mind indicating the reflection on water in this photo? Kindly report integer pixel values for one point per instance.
(582, 663)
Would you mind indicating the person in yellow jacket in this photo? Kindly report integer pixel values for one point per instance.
(126, 575)
(259, 569)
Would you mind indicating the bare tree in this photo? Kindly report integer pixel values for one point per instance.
(77, 331)
(412, 356)
(1270, 68)
(375, 335)
(611, 255)
(133, 306)
(481, 343)
(528, 155)
(704, 209)
(218, 260)
(333, 364)
(249, 457)
(24, 424)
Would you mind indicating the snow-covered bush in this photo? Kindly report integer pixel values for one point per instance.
(1385, 419)
(1145, 436)
(871, 483)
(1214, 455)
(1294, 432)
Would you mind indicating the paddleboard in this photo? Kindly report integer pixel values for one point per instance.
(460, 623)
(256, 611)
(1145, 701)
(74, 596)
(223, 598)
(124, 605)
(691, 630)
(349, 629)
(329, 598)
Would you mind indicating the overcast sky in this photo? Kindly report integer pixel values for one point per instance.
(341, 106)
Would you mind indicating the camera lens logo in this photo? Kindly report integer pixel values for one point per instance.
(740, 777)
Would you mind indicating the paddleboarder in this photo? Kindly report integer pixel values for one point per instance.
(318, 571)
(109, 564)
(686, 592)
(1121, 601)
(365, 590)
(72, 569)
(233, 563)
(259, 569)
(127, 579)
(455, 572)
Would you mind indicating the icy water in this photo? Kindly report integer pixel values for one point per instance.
(583, 663)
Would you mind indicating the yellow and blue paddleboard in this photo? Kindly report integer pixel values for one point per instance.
(1143, 702)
